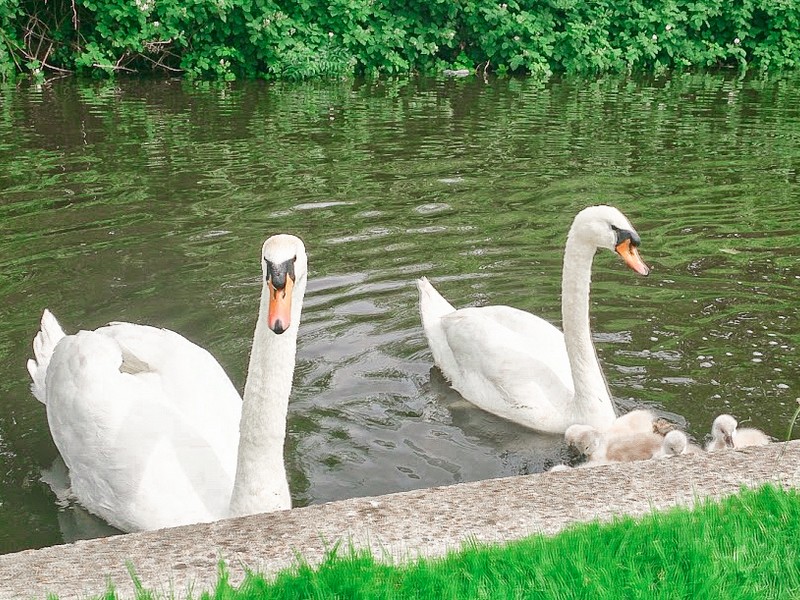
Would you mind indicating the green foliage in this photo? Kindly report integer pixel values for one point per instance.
(295, 39)
(10, 13)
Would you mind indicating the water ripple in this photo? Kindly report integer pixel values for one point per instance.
(149, 202)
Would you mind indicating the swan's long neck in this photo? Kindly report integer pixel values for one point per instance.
(260, 484)
(592, 402)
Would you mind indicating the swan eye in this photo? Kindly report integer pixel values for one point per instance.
(625, 234)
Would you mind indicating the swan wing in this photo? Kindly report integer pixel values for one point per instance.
(511, 363)
(139, 416)
(189, 376)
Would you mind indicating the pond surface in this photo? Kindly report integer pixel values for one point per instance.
(148, 202)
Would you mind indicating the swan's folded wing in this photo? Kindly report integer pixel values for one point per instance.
(501, 337)
(525, 324)
(188, 372)
(130, 450)
(187, 377)
(512, 363)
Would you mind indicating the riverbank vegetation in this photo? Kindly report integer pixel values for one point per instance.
(742, 547)
(280, 39)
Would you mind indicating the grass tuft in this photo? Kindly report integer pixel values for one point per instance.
(793, 421)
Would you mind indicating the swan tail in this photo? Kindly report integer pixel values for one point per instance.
(43, 346)
(432, 305)
(432, 309)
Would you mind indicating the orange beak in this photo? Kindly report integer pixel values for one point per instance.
(279, 317)
(630, 255)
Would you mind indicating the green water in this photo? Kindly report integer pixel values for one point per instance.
(148, 202)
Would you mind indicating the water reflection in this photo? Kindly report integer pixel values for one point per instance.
(148, 202)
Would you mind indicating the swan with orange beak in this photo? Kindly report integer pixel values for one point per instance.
(517, 365)
(153, 431)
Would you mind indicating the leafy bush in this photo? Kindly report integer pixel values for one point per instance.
(226, 39)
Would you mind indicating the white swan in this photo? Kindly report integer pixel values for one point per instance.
(151, 428)
(725, 433)
(517, 365)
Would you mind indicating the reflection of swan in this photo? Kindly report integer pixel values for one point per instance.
(726, 434)
(149, 424)
(500, 448)
(519, 366)
(75, 522)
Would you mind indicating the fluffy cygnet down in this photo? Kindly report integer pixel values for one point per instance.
(726, 434)
(584, 438)
(556, 468)
(634, 446)
(676, 442)
(608, 447)
(635, 421)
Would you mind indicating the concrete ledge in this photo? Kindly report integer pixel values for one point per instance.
(428, 522)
